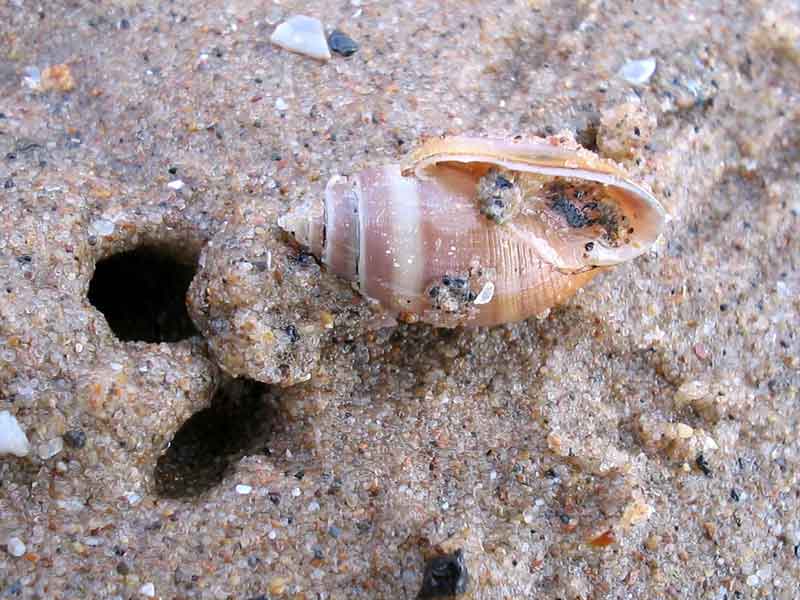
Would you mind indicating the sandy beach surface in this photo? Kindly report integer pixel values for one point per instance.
(639, 441)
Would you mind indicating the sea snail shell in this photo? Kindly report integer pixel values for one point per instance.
(470, 231)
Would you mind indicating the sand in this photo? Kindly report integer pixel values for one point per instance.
(639, 441)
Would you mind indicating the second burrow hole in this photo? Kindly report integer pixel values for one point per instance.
(240, 420)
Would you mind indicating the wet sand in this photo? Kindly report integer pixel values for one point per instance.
(639, 441)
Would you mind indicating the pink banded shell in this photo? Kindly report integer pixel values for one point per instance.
(406, 233)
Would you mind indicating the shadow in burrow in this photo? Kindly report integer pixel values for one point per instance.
(141, 292)
(239, 422)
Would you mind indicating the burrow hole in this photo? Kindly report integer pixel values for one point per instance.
(142, 293)
(238, 422)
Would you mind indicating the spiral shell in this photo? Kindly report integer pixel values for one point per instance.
(473, 231)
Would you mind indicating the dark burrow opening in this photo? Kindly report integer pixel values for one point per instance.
(142, 293)
(238, 422)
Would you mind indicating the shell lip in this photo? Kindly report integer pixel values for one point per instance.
(518, 154)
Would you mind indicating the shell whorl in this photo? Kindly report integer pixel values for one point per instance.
(412, 238)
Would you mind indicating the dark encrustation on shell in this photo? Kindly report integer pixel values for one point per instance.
(475, 231)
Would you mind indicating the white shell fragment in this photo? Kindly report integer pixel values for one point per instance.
(303, 35)
(486, 294)
(638, 72)
(15, 546)
(12, 439)
(49, 449)
(102, 227)
(32, 78)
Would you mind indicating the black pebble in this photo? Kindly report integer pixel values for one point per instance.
(341, 43)
(703, 465)
(291, 331)
(445, 576)
(75, 438)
